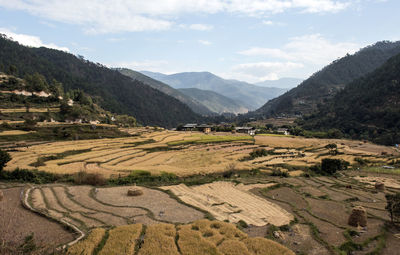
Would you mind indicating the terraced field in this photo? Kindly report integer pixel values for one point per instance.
(87, 207)
(201, 237)
(321, 207)
(227, 201)
(187, 153)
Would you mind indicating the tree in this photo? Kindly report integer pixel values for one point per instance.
(332, 147)
(329, 166)
(4, 158)
(36, 82)
(12, 70)
(393, 206)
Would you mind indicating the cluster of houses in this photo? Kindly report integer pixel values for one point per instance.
(208, 128)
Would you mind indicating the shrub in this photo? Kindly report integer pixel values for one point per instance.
(277, 172)
(94, 179)
(4, 158)
(24, 175)
(393, 206)
(330, 166)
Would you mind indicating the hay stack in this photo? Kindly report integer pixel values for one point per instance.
(379, 186)
(358, 217)
(1, 195)
(134, 192)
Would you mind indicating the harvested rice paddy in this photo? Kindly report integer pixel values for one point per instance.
(202, 237)
(226, 201)
(88, 207)
(188, 153)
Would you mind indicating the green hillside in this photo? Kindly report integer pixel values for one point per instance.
(368, 108)
(196, 106)
(325, 84)
(109, 89)
(215, 102)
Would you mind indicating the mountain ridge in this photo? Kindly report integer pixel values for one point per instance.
(252, 96)
(325, 83)
(193, 104)
(368, 108)
(111, 90)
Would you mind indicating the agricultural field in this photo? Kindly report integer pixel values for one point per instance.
(87, 207)
(306, 214)
(17, 223)
(233, 203)
(201, 237)
(190, 153)
(219, 176)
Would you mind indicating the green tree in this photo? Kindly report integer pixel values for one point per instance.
(4, 158)
(36, 82)
(393, 206)
(12, 70)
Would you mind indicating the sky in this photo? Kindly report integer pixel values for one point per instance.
(249, 40)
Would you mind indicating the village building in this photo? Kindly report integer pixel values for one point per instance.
(283, 131)
(246, 130)
(189, 127)
(204, 128)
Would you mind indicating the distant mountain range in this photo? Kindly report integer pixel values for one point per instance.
(195, 105)
(108, 88)
(283, 83)
(246, 95)
(214, 101)
(367, 108)
(325, 84)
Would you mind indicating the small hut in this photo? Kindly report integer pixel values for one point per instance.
(358, 217)
(379, 186)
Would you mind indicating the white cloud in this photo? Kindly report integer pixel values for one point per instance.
(98, 16)
(308, 52)
(30, 40)
(200, 27)
(205, 42)
(259, 71)
(272, 23)
(268, 22)
(314, 49)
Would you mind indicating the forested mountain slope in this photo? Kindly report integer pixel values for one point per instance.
(326, 83)
(214, 101)
(109, 88)
(368, 108)
(196, 106)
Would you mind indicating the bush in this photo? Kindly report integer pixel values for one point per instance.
(393, 206)
(4, 158)
(94, 179)
(330, 166)
(277, 172)
(24, 175)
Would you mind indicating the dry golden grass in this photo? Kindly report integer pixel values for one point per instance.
(159, 239)
(225, 201)
(122, 240)
(262, 246)
(197, 153)
(19, 110)
(87, 246)
(233, 247)
(202, 237)
(192, 243)
(15, 132)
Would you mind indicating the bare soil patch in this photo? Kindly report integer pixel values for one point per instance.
(16, 223)
(159, 203)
